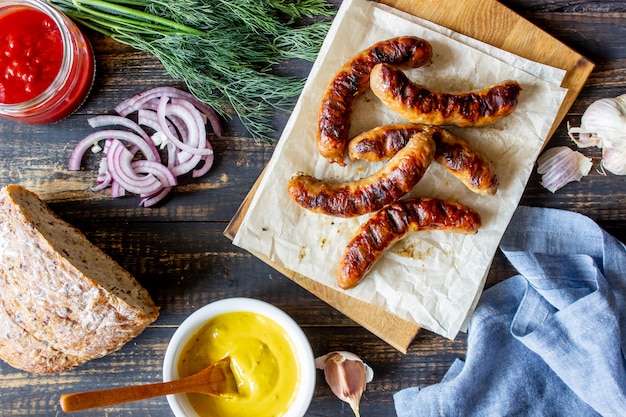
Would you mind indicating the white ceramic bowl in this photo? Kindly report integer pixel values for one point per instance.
(179, 403)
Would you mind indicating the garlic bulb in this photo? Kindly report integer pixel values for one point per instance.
(603, 124)
(560, 166)
(347, 375)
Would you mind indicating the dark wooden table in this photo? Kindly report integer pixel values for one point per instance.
(178, 252)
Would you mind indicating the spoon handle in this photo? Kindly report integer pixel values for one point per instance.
(216, 380)
(102, 398)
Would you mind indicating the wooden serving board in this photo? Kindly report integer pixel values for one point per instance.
(492, 23)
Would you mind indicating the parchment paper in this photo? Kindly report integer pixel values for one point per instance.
(430, 278)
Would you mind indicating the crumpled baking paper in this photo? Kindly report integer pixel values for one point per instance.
(431, 278)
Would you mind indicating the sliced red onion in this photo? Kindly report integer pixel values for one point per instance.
(180, 161)
(195, 127)
(560, 166)
(172, 151)
(174, 115)
(134, 103)
(160, 171)
(180, 102)
(119, 163)
(112, 120)
(149, 118)
(150, 201)
(117, 190)
(208, 163)
(147, 148)
(181, 169)
(104, 180)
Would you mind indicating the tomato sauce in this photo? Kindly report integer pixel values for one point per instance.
(47, 65)
(31, 52)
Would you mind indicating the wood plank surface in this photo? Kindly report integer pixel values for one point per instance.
(496, 24)
(492, 23)
(179, 253)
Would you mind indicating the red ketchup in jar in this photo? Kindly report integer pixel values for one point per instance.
(46, 64)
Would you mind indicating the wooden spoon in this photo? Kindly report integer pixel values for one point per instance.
(217, 380)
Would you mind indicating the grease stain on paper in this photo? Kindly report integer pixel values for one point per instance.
(411, 251)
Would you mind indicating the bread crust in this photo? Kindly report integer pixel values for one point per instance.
(63, 300)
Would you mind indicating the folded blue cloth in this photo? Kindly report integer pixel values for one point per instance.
(547, 342)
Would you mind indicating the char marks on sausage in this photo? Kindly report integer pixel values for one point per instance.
(418, 104)
(353, 198)
(454, 153)
(352, 80)
(394, 222)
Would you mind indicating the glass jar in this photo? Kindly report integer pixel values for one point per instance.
(47, 65)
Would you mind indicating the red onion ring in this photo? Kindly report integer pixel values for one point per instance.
(160, 171)
(180, 161)
(104, 181)
(180, 118)
(195, 127)
(149, 201)
(148, 149)
(111, 120)
(129, 105)
(119, 160)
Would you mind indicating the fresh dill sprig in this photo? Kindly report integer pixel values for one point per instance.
(223, 50)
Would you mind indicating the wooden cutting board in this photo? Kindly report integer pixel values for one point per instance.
(492, 23)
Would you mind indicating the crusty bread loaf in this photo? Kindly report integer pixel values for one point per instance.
(62, 300)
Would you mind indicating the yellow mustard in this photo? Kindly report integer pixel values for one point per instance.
(262, 360)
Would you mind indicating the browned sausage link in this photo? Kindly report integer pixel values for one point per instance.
(465, 109)
(452, 152)
(352, 80)
(394, 222)
(366, 195)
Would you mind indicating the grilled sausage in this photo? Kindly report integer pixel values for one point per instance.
(452, 152)
(394, 222)
(352, 80)
(366, 195)
(464, 109)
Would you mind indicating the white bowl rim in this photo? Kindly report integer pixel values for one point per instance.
(179, 403)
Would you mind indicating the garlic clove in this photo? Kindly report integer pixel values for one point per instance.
(560, 166)
(614, 160)
(347, 375)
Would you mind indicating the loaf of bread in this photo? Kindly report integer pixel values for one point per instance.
(62, 300)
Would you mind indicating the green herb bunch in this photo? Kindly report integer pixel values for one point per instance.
(224, 50)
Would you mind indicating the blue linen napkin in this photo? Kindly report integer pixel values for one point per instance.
(547, 342)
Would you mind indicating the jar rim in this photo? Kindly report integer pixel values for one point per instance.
(66, 63)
